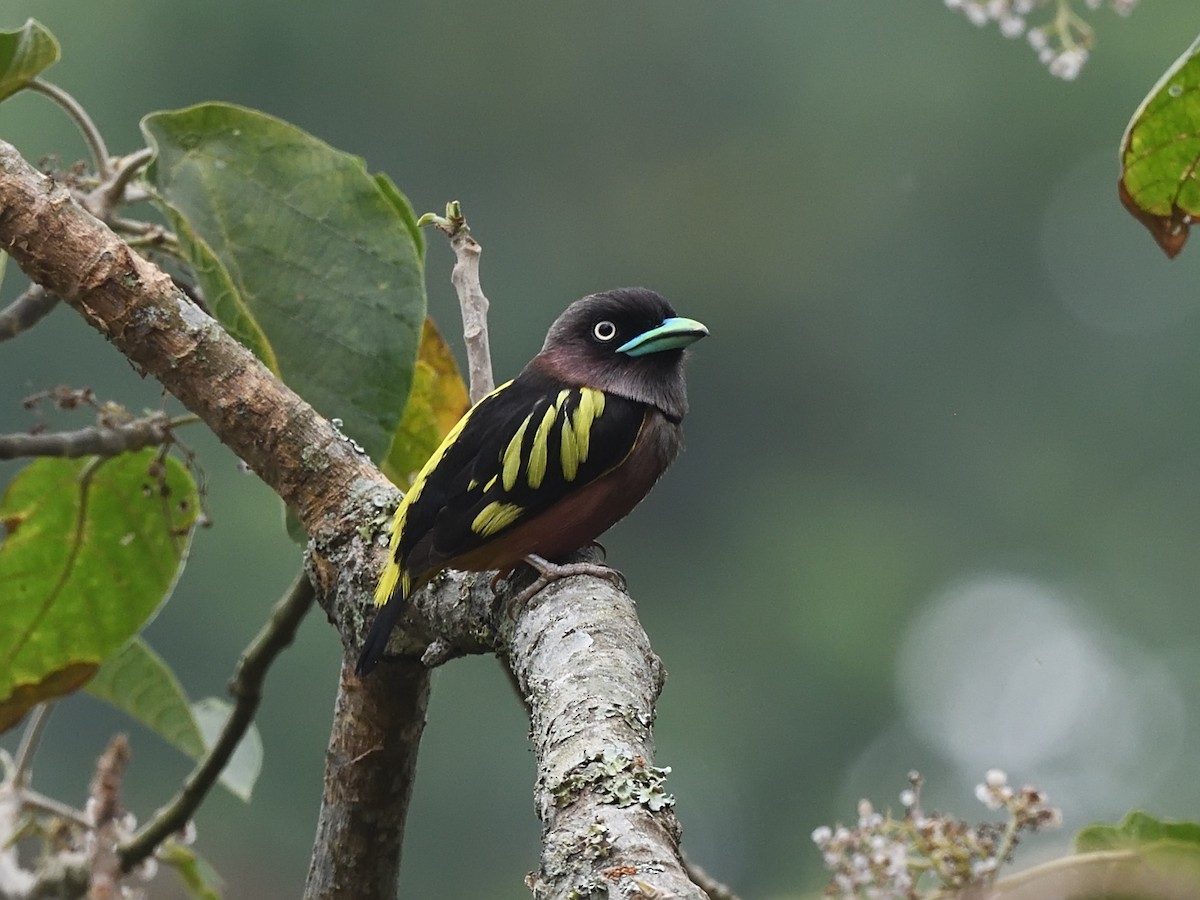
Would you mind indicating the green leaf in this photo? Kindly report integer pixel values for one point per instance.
(92, 548)
(438, 401)
(139, 683)
(396, 197)
(315, 254)
(24, 54)
(1160, 155)
(1142, 857)
(241, 772)
(198, 876)
(1140, 830)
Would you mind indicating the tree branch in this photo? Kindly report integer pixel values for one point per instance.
(97, 440)
(585, 669)
(369, 773)
(26, 311)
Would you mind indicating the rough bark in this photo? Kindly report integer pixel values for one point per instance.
(360, 830)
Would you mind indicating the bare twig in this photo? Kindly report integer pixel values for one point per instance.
(716, 890)
(97, 440)
(105, 806)
(111, 192)
(31, 799)
(30, 738)
(26, 311)
(91, 134)
(471, 299)
(246, 687)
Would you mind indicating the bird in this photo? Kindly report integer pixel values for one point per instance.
(549, 461)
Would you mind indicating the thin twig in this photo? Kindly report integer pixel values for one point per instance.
(30, 738)
(97, 440)
(111, 192)
(105, 805)
(716, 890)
(31, 799)
(26, 311)
(91, 134)
(246, 688)
(471, 299)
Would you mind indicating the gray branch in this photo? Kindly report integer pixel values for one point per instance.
(26, 311)
(98, 440)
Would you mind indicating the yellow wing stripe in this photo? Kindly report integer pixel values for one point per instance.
(495, 517)
(591, 406)
(511, 457)
(539, 451)
(568, 451)
(394, 574)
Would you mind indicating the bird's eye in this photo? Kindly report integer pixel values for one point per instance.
(605, 331)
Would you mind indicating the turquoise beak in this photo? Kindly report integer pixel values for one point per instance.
(673, 334)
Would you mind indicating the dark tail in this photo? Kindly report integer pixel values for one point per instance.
(377, 638)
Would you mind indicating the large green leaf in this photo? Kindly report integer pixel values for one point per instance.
(438, 401)
(24, 54)
(315, 254)
(1160, 155)
(138, 682)
(92, 548)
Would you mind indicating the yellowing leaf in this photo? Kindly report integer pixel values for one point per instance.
(1160, 154)
(439, 399)
(92, 549)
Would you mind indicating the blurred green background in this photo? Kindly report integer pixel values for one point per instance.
(940, 504)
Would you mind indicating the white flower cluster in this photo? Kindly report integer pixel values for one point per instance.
(1062, 43)
(884, 858)
(1027, 806)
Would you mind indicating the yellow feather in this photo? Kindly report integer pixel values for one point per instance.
(494, 517)
(539, 450)
(511, 458)
(591, 405)
(568, 451)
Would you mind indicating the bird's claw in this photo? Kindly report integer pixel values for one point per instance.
(549, 572)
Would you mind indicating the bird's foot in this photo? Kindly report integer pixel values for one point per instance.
(549, 572)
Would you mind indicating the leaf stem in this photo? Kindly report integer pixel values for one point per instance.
(73, 108)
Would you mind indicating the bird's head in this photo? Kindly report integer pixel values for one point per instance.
(628, 342)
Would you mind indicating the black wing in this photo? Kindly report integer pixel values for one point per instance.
(520, 450)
